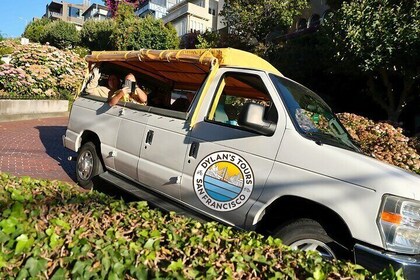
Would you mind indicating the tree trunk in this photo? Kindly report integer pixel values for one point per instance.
(390, 101)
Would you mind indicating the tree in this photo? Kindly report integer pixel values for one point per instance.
(381, 39)
(35, 30)
(252, 20)
(113, 4)
(95, 34)
(134, 33)
(61, 34)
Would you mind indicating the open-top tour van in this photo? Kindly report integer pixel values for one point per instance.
(225, 135)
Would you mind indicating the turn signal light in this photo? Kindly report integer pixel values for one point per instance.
(391, 218)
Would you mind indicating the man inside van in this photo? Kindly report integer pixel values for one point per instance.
(93, 87)
(129, 93)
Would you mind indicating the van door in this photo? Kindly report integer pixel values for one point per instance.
(227, 165)
(130, 138)
(163, 151)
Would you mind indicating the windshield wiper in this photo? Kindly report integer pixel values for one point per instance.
(326, 138)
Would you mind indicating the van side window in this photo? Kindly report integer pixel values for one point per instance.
(234, 91)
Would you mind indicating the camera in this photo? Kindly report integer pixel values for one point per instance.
(131, 85)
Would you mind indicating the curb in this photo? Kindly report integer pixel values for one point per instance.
(21, 117)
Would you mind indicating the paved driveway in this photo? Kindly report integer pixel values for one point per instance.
(35, 148)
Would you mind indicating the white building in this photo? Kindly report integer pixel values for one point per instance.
(155, 8)
(200, 15)
(192, 15)
(96, 12)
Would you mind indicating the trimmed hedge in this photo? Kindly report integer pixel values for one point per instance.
(53, 230)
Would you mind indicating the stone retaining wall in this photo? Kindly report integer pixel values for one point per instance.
(27, 109)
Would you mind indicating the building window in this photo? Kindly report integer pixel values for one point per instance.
(183, 27)
(200, 3)
(214, 12)
(314, 20)
(301, 24)
(74, 12)
(209, 10)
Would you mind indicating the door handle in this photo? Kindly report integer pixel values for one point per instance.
(194, 149)
(149, 137)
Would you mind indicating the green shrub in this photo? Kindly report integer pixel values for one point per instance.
(35, 30)
(6, 50)
(95, 34)
(51, 230)
(61, 34)
(81, 51)
(134, 33)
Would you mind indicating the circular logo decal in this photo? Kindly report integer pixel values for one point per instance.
(223, 181)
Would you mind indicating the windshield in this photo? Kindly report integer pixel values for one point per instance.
(311, 115)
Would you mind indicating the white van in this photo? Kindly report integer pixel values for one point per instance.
(247, 147)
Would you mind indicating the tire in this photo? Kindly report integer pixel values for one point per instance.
(307, 234)
(88, 165)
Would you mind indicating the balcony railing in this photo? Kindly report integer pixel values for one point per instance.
(77, 20)
(55, 14)
(188, 8)
(157, 2)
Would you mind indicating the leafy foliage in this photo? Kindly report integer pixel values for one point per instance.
(218, 39)
(95, 34)
(134, 33)
(61, 34)
(40, 71)
(81, 51)
(113, 4)
(5, 50)
(52, 230)
(381, 38)
(251, 21)
(189, 40)
(35, 31)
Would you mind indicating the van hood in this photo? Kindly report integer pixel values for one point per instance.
(347, 166)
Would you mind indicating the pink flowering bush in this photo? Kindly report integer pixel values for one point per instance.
(13, 79)
(383, 141)
(41, 71)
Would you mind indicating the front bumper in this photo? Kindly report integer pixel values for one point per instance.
(71, 140)
(376, 260)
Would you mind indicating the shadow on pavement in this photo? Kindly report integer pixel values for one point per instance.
(51, 138)
(114, 191)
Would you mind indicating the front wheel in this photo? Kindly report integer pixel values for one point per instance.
(308, 235)
(88, 165)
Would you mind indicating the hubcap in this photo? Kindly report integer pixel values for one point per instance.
(314, 245)
(85, 165)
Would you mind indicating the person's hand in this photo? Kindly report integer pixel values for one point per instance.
(95, 72)
(126, 90)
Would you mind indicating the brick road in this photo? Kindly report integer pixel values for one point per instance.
(34, 148)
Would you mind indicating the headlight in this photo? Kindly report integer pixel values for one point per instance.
(399, 224)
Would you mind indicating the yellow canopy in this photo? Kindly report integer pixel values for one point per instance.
(186, 68)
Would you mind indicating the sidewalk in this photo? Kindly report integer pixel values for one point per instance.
(35, 148)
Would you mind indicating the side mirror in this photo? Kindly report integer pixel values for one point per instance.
(252, 118)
